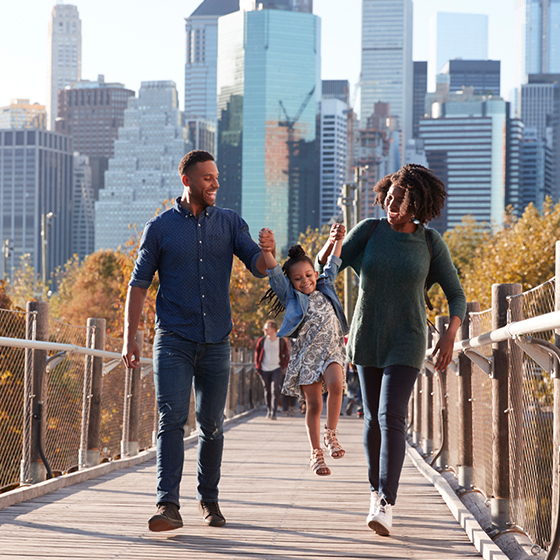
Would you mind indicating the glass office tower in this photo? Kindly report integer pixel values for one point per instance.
(269, 89)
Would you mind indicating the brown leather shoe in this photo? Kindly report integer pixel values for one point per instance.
(166, 518)
(211, 514)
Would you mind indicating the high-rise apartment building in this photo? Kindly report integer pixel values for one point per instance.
(473, 146)
(420, 88)
(35, 181)
(537, 38)
(64, 55)
(269, 89)
(22, 114)
(143, 172)
(453, 36)
(387, 70)
(482, 75)
(334, 137)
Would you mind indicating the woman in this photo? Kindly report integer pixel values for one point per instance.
(387, 338)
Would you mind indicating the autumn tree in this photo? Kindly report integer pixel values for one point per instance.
(521, 251)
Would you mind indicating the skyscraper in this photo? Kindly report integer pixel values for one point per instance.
(537, 38)
(456, 35)
(201, 57)
(540, 110)
(472, 144)
(269, 89)
(143, 172)
(536, 170)
(387, 71)
(333, 155)
(420, 84)
(64, 55)
(91, 113)
(36, 180)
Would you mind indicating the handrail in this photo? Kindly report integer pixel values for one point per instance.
(70, 348)
(546, 322)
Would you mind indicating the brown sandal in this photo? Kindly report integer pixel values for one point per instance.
(317, 463)
(332, 444)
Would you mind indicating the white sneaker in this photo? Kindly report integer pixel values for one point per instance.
(382, 521)
(373, 506)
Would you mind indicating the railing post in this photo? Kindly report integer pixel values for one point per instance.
(89, 454)
(135, 400)
(427, 423)
(500, 502)
(33, 469)
(417, 413)
(464, 399)
(556, 404)
(440, 397)
(131, 416)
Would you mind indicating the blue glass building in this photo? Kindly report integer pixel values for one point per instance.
(269, 90)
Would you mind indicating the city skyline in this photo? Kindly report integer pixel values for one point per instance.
(142, 55)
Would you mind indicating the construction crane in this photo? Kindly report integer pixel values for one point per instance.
(293, 166)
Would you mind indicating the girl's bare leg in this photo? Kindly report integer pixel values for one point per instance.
(314, 407)
(333, 381)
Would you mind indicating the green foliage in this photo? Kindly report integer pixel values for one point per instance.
(26, 285)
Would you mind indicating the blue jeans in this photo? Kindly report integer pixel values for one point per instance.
(272, 383)
(177, 362)
(385, 394)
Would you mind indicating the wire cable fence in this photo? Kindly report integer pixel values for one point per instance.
(496, 431)
(531, 423)
(481, 322)
(12, 381)
(65, 387)
(67, 401)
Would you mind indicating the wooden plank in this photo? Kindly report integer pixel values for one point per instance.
(275, 506)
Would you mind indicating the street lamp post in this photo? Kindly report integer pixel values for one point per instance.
(45, 224)
(6, 250)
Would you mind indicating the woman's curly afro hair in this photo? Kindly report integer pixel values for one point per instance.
(424, 192)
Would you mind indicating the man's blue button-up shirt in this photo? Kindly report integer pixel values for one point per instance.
(194, 258)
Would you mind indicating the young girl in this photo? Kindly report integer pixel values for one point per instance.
(314, 316)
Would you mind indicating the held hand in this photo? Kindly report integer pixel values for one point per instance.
(266, 241)
(337, 233)
(130, 353)
(443, 351)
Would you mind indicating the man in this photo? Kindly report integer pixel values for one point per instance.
(191, 246)
(271, 360)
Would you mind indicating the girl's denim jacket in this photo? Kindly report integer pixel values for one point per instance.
(296, 302)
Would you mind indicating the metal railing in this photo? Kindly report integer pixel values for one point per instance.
(67, 401)
(491, 418)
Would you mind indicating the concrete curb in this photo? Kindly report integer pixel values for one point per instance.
(40, 489)
(482, 542)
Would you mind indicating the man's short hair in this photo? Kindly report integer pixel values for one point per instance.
(273, 324)
(192, 158)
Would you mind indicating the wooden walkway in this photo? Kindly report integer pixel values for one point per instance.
(275, 509)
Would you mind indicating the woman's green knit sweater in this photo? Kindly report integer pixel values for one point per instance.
(389, 323)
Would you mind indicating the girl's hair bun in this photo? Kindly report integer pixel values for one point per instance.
(296, 252)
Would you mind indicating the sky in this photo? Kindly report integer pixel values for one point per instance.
(129, 41)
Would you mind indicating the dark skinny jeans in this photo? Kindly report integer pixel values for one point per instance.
(385, 395)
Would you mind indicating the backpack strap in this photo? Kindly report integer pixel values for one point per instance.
(431, 250)
(372, 226)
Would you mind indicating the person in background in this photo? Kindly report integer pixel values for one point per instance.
(271, 360)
